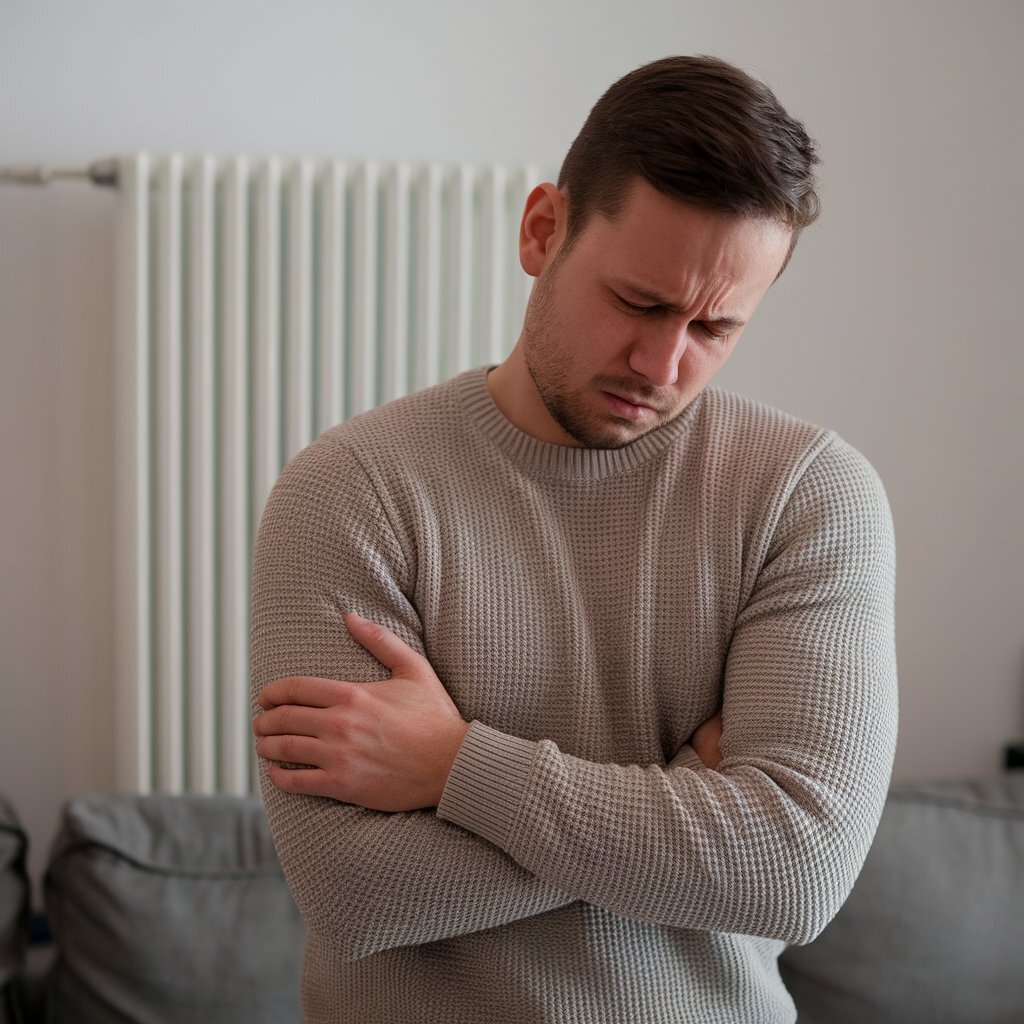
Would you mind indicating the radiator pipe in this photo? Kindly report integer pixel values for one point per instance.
(99, 172)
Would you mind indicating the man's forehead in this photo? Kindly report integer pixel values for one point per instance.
(665, 248)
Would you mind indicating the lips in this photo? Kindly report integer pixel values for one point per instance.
(628, 407)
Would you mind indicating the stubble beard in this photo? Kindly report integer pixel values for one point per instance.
(549, 368)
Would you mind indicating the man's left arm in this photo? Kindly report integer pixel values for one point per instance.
(771, 842)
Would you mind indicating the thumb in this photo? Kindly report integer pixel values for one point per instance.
(388, 649)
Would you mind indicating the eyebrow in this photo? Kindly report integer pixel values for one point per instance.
(725, 323)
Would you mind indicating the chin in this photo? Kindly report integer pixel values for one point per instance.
(608, 435)
(591, 427)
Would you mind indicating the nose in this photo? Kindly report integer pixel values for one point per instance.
(656, 355)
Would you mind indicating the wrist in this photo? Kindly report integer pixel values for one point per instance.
(455, 738)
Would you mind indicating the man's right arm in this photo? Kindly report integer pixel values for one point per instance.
(364, 880)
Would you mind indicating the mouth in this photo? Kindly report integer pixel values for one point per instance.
(627, 407)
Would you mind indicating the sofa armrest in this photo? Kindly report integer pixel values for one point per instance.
(14, 909)
(934, 928)
(170, 909)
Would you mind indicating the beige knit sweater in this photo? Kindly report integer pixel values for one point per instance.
(587, 610)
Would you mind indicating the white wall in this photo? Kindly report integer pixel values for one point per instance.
(897, 323)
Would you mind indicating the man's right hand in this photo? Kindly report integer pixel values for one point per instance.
(387, 745)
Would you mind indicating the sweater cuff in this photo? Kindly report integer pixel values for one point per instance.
(486, 783)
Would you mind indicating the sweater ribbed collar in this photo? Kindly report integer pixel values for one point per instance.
(564, 461)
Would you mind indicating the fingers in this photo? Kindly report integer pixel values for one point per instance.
(294, 721)
(310, 781)
(387, 648)
(310, 691)
(316, 692)
(290, 749)
(706, 741)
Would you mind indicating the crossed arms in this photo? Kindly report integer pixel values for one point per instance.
(768, 844)
(386, 745)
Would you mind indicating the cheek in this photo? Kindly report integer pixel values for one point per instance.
(716, 355)
(700, 363)
(593, 338)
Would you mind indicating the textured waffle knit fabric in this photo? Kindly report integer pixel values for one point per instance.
(587, 610)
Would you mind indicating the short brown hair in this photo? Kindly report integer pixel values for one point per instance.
(697, 129)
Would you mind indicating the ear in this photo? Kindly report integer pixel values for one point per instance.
(542, 230)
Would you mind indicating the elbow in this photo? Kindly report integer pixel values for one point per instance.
(809, 894)
(329, 944)
(787, 914)
(804, 869)
(326, 939)
(802, 926)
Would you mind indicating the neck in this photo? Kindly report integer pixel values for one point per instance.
(515, 394)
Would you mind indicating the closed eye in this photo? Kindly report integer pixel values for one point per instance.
(717, 331)
(636, 309)
(710, 332)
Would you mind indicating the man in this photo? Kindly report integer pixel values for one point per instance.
(494, 623)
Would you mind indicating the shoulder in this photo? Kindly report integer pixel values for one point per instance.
(783, 473)
(374, 471)
(423, 418)
(750, 430)
(754, 439)
(402, 432)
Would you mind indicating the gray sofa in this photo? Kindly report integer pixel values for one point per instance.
(14, 909)
(171, 910)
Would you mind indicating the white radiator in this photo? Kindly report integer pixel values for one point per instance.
(262, 301)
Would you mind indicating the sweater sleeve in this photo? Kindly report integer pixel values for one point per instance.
(364, 880)
(771, 841)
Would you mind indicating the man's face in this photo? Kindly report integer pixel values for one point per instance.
(626, 328)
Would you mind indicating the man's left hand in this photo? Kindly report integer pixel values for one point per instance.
(388, 745)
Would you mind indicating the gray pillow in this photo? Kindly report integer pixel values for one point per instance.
(14, 907)
(170, 909)
(934, 929)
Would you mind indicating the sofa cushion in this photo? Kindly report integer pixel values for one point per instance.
(170, 909)
(14, 907)
(934, 928)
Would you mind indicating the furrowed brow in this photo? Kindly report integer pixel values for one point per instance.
(725, 324)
